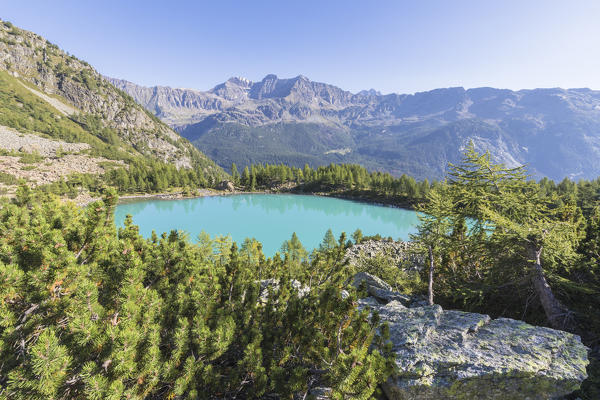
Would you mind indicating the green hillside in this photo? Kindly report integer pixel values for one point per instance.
(48, 94)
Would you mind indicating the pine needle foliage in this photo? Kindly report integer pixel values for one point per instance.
(89, 311)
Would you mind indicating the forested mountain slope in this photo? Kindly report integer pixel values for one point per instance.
(51, 101)
(556, 132)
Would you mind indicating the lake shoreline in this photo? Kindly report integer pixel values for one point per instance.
(206, 192)
(213, 192)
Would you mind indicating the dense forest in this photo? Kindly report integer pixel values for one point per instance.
(92, 311)
(353, 179)
(348, 180)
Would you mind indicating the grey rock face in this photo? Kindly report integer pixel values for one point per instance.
(226, 185)
(456, 355)
(446, 354)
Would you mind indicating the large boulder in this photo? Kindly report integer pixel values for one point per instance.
(447, 354)
(226, 186)
(458, 355)
(382, 291)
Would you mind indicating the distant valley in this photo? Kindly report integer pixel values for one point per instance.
(556, 132)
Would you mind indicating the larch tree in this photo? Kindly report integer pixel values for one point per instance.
(497, 232)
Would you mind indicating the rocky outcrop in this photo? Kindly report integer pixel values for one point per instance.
(226, 185)
(447, 354)
(456, 355)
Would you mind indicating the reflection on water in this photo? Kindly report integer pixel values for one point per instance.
(269, 218)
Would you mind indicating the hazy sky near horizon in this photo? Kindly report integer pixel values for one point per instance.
(391, 46)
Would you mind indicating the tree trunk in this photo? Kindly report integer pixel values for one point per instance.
(557, 314)
(431, 267)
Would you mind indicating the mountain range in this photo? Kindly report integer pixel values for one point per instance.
(554, 132)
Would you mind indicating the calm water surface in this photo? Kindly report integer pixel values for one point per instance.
(271, 219)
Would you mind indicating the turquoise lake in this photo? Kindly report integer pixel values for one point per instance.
(271, 219)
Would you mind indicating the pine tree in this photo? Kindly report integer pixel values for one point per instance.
(357, 236)
(328, 242)
(235, 175)
(435, 219)
(246, 177)
(294, 250)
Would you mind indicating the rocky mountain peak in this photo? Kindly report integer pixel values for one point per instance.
(234, 89)
(240, 81)
(270, 77)
(370, 92)
(270, 86)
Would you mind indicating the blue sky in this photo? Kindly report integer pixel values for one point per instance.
(391, 46)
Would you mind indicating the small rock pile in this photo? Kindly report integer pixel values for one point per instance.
(401, 252)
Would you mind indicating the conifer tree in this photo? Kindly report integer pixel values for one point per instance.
(435, 219)
(511, 231)
(235, 175)
(328, 242)
(246, 177)
(293, 249)
(357, 236)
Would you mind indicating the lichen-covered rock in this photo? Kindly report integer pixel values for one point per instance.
(458, 355)
(267, 285)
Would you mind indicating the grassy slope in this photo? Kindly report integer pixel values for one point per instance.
(22, 110)
(110, 121)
